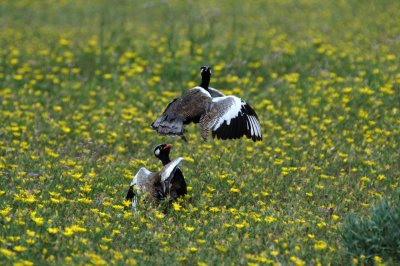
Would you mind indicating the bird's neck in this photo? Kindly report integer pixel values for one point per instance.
(165, 160)
(205, 82)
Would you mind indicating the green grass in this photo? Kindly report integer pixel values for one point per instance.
(81, 81)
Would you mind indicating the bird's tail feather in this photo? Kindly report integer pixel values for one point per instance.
(165, 126)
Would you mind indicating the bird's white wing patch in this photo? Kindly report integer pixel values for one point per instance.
(134, 180)
(169, 168)
(231, 109)
(141, 175)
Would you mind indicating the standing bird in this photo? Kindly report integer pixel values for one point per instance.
(228, 117)
(176, 184)
(169, 182)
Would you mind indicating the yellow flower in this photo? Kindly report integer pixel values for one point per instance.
(192, 249)
(68, 232)
(55, 201)
(274, 253)
(138, 251)
(381, 177)
(130, 261)
(30, 233)
(239, 226)
(176, 206)
(270, 219)
(189, 228)
(221, 248)
(160, 215)
(52, 231)
(18, 77)
(214, 209)
(189, 159)
(20, 248)
(321, 224)
(96, 259)
(249, 149)
(106, 239)
(320, 245)
(390, 57)
(118, 207)
(78, 229)
(63, 42)
(85, 200)
(297, 261)
(107, 76)
(57, 108)
(235, 190)
(30, 199)
(201, 241)
(7, 253)
(23, 263)
(38, 220)
(5, 211)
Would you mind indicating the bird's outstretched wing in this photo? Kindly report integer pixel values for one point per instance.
(230, 117)
(137, 180)
(183, 110)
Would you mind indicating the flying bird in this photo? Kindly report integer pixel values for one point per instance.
(227, 117)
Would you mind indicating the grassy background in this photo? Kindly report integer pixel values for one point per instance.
(81, 81)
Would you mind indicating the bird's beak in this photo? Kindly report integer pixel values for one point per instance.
(167, 147)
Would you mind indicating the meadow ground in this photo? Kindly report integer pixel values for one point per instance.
(81, 81)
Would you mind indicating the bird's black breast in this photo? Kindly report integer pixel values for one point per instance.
(178, 184)
(130, 195)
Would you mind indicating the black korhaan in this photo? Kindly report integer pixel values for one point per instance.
(228, 117)
(176, 184)
(168, 183)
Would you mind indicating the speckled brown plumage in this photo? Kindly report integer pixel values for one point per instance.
(183, 110)
(208, 120)
(150, 186)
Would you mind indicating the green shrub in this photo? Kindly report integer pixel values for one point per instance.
(377, 234)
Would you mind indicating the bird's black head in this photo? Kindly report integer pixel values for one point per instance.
(205, 72)
(162, 152)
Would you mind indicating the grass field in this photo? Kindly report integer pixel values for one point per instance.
(81, 81)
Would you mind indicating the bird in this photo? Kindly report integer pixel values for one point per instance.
(167, 183)
(228, 117)
(178, 187)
